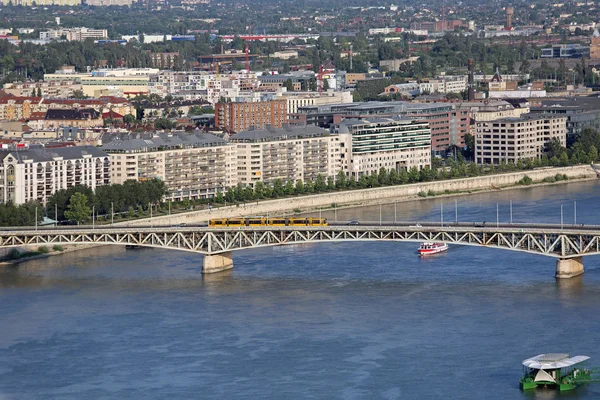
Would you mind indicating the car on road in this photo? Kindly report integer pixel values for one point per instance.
(416, 226)
(353, 222)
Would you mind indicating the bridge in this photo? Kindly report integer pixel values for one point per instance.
(566, 243)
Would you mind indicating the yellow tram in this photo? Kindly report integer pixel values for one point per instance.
(262, 221)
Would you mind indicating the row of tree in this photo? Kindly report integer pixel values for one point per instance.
(106, 200)
(21, 215)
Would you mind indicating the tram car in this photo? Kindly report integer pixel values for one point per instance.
(262, 221)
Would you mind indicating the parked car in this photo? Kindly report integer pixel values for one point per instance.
(354, 222)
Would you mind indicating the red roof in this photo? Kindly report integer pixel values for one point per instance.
(111, 114)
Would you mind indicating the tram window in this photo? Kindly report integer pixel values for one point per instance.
(278, 221)
(255, 222)
(235, 222)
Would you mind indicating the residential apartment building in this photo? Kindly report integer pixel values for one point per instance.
(238, 117)
(191, 85)
(106, 3)
(289, 154)
(13, 108)
(29, 3)
(392, 143)
(193, 166)
(163, 60)
(81, 118)
(512, 139)
(444, 84)
(28, 174)
(57, 89)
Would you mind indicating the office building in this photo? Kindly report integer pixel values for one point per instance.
(373, 143)
(509, 140)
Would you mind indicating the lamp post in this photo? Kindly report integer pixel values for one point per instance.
(112, 213)
(561, 217)
(497, 216)
(574, 212)
(442, 214)
(511, 212)
(93, 219)
(36, 218)
(456, 211)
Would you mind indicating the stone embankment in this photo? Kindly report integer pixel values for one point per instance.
(364, 197)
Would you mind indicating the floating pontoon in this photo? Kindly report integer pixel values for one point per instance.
(556, 370)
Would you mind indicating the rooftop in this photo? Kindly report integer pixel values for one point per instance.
(165, 141)
(285, 133)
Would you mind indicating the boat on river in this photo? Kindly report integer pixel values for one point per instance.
(428, 248)
(556, 370)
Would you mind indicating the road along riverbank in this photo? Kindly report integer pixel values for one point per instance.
(363, 197)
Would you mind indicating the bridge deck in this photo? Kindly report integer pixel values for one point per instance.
(549, 240)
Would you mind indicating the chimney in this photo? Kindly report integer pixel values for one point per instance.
(470, 86)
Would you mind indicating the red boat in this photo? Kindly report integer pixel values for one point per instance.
(428, 248)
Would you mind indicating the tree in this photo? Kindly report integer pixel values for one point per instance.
(78, 210)
(553, 148)
(320, 184)
(564, 159)
(340, 180)
(413, 174)
(39, 92)
(593, 154)
(128, 119)
(78, 94)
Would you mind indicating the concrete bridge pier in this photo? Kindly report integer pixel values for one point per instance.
(217, 262)
(569, 267)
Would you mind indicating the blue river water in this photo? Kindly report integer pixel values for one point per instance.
(329, 321)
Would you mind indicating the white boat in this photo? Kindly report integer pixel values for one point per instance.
(428, 248)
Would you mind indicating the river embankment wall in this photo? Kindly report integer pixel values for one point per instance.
(362, 197)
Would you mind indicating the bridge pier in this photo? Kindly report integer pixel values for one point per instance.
(569, 267)
(217, 262)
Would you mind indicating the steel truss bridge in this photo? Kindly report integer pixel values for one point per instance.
(548, 240)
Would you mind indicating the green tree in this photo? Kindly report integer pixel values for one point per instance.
(564, 159)
(320, 183)
(593, 154)
(78, 210)
(340, 180)
(383, 177)
(413, 175)
(128, 119)
(403, 176)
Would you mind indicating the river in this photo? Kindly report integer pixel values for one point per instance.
(327, 321)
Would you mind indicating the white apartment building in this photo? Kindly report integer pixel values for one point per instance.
(514, 139)
(445, 84)
(74, 34)
(303, 99)
(193, 166)
(28, 174)
(290, 153)
(391, 143)
(200, 85)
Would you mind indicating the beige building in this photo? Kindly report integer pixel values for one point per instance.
(303, 99)
(193, 166)
(36, 174)
(390, 143)
(130, 81)
(289, 154)
(57, 89)
(512, 139)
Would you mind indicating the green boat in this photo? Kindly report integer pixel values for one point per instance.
(556, 370)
